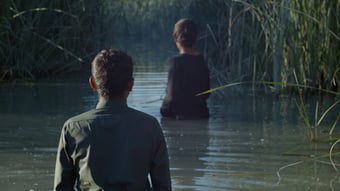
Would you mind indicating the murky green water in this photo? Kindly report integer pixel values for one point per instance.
(253, 143)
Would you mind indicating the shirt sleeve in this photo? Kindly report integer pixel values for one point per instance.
(160, 173)
(64, 177)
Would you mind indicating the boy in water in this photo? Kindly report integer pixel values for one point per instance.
(188, 75)
(112, 147)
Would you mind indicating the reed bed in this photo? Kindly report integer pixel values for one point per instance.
(280, 47)
(244, 40)
(267, 41)
(43, 38)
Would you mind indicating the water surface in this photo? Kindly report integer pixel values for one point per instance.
(251, 142)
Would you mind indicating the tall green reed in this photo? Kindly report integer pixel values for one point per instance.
(268, 40)
(244, 40)
(286, 45)
(35, 41)
(44, 38)
(313, 128)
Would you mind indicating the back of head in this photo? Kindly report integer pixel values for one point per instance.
(112, 71)
(185, 32)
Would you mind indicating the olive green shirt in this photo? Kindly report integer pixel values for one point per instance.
(112, 147)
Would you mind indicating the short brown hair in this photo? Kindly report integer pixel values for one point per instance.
(185, 32)
(112, 71)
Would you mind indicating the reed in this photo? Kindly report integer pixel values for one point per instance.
(286, 45)
(44, 38)
(313, 128)
(36, 41)
(244, 40)
(268, 40)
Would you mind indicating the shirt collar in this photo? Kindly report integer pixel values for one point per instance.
(111, 104)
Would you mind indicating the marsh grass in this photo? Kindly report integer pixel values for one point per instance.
(280, 46)
(243, 40)
(42, 38)
(46, 38)
(268, 40)
(313, 129)
(36, 42)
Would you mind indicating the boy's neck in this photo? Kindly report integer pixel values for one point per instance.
(188, 50)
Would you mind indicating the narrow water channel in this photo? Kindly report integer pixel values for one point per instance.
(250, 143)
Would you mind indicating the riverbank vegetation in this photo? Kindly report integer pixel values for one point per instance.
(261, 43)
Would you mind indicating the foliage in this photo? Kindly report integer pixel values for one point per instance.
(42, 38)
(268, 40)
(244, 40)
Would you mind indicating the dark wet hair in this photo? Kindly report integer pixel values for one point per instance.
(112, 71)
(185, 32)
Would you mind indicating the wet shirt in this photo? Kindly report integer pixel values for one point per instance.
(188, 75)
(112, 147)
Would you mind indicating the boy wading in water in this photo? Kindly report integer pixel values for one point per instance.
(188, 75)
(112, 147)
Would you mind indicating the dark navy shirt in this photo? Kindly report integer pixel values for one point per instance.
(188, 75)
(112, 147)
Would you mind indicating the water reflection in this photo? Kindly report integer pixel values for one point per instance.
(187, 141)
